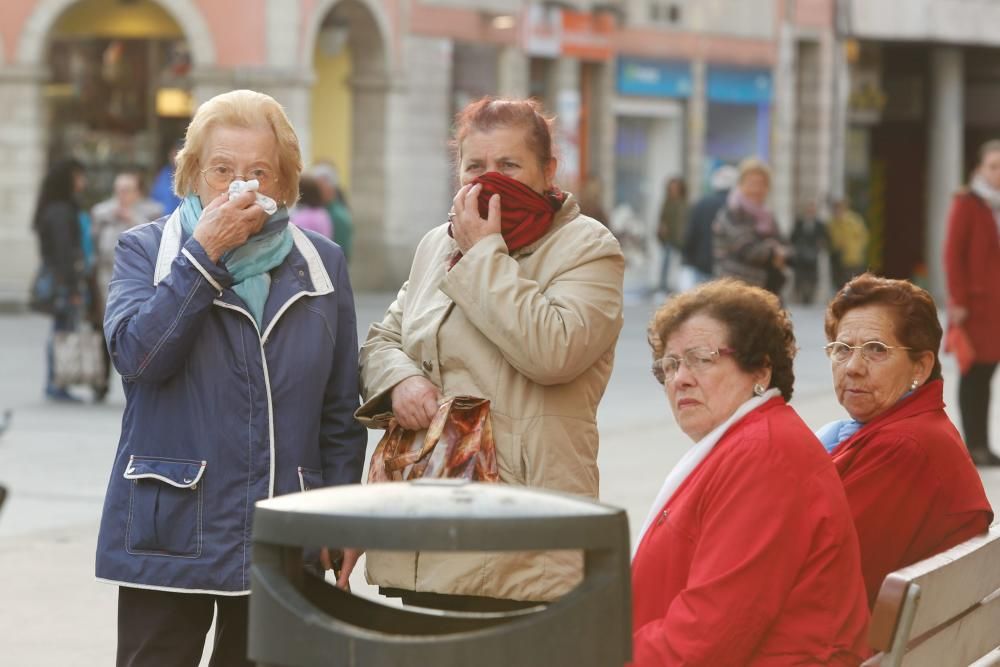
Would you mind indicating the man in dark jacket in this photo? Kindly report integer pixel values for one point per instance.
(697, 251)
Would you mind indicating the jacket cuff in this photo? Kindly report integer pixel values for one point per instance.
(217, 276)
(462, 273)
(376, 411)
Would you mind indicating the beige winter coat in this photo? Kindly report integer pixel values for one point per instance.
(535, 333)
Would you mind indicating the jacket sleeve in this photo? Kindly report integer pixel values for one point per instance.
(343, 440)
(150, 329)
(956, 251)
(383, 362)
(753, 539)
(890, 491)
(549, 335)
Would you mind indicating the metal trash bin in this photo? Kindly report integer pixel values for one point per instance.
(299, 620)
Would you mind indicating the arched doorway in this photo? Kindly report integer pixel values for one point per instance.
(348, 119)
(119, 90)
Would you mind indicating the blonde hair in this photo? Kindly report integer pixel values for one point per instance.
(246, 109)
(754, 165)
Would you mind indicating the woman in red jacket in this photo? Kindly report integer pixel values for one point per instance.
(972, 264)
(748, 556)
(912, 487)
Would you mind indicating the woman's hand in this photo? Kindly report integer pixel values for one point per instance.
(466, 225)
(226, 224)
(342, 563)
(415, 402)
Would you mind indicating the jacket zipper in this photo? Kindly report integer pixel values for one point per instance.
(267, 390)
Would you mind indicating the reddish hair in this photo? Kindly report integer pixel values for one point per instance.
(914, 313)
(488, 113)
(759, 329)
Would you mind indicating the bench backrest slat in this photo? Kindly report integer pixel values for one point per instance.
(961, 642)
(950, 584)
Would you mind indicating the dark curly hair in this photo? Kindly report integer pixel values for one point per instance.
(765, 336)
(914, 313)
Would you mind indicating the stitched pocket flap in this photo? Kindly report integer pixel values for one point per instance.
(183, 474)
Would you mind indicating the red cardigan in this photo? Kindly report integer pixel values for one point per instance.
(912, 487)
(754, 560)
(972, 265)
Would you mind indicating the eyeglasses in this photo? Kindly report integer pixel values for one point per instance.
(873, 350)
(697, 359)
(219, 176)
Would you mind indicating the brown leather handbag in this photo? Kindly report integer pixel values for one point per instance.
(458, 444)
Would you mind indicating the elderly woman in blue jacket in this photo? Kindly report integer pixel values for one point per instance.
(235, 336)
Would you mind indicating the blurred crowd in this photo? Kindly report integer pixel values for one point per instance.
(77, 252)
(731, 231)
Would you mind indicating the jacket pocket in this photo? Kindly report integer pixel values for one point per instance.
(310, 478)
(165, 507)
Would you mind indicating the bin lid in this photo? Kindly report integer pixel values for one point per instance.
(439, 514)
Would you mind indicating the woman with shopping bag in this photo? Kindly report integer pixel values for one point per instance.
(516, 299)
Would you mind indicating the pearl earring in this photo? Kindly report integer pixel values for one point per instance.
(758, 389)
(914, 384)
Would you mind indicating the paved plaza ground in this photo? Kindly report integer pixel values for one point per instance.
(55, 460)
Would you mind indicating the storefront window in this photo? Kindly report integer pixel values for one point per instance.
(116, 104)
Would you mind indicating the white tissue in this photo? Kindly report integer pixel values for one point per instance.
(238, 187)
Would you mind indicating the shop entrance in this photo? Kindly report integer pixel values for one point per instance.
(349, 101)
(119, 92)
(648, 151)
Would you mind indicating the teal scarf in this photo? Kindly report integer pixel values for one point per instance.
(249, 264)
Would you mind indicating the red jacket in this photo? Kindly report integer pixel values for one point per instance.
(972, 263)
(911, 485)
(754, 560)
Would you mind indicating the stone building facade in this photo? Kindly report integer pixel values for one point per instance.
(375, 84)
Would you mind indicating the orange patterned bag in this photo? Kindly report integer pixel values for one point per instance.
(458, 444)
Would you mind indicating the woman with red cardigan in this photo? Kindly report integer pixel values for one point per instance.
(911, 485)
(748, 555)
(972, 264)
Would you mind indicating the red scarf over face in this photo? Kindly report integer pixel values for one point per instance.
(525, 215)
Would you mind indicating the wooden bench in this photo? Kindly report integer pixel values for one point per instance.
(940, 612)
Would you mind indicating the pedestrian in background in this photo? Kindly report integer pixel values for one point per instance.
(912, 489)
(214, 420)
(518, 300)
(60, 228)
(309, 213)
(162, 190)
(698, 254)
(126, 208)
(672, 223)
(972, 265)
(748, 555)
(328, 179)
(848, 243)
(808, 241)
(746, 241)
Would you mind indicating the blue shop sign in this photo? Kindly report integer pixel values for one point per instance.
(739, 86)
(653, 78)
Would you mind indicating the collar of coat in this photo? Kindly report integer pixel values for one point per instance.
(171, 241)
(928, 398)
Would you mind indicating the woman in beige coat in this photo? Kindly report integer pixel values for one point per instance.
(517, 300)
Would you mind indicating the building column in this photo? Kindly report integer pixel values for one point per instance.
(512, 72)
(697, 126)
(944, 157)
(23, 143)
(783, 129)
(565, 102)
(418, 164)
